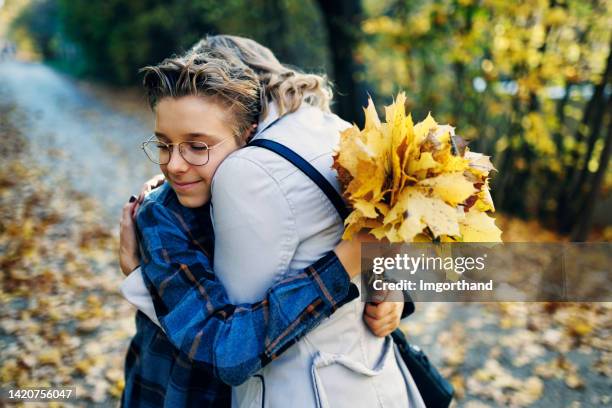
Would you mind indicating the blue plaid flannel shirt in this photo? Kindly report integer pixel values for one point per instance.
(209, 342)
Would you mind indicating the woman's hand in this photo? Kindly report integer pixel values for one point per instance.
(150, 185)
(129, 258)
(383, 318)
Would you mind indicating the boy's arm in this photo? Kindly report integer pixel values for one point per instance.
(134, 291)
(233, 342)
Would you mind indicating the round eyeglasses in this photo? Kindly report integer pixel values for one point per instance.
(193, 152)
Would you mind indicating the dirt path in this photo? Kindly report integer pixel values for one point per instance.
(82, 133)
(70, 158)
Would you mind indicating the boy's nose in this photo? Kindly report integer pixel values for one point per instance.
(177, 164)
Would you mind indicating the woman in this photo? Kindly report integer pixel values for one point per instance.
(266, 208)
(213, 111)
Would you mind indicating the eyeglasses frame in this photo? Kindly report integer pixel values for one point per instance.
(154, 139)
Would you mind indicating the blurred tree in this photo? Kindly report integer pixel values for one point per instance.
(343, 22)
(40, 21)
(514, 77)
(574, 192)
(585, 212)
(118, 37)
(527, 81)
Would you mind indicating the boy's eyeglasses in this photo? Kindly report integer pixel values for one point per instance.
(194, 153)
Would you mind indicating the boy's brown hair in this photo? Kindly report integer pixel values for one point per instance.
(210, 73)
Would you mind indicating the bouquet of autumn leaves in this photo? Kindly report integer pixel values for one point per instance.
(413, 183)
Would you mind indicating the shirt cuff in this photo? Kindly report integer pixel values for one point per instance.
(135, 291)
(333, 282)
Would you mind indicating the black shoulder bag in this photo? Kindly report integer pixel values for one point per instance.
(435, 390)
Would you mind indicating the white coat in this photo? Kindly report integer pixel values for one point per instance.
(266, 209)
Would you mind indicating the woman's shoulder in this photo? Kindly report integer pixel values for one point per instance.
(313, 119)
(309, 131)
(240, 171)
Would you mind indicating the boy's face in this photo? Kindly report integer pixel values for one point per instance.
(193, 118)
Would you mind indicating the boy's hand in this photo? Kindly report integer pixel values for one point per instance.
(129, 258)
(383, 318)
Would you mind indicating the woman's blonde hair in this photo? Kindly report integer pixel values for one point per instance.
(211, 73)
(280, 83)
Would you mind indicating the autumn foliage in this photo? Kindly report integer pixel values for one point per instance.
(414, 182)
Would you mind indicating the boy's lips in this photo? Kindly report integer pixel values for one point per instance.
(184, 186)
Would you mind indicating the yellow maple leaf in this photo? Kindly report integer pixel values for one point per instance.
(421, 238)
(484, 202)
(440, 217)
(421, 129)
(353, 224)
(412, 148)
(368, 209)
(453, 188)
(356, 221)
(351, 151)
(371, 117)
(396, 130)
(452, 163)
(381, 231)
(368, 178)
(423, 164)
(479, 227)
(443, 133)
(479, 162)
(410, 228)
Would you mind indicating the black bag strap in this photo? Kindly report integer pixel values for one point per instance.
(307, 169)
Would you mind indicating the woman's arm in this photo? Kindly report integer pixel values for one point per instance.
(380, 318)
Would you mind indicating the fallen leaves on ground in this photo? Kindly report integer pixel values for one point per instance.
(519, 354)
(62, 321)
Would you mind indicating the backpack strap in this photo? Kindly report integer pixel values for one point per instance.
(307, 169)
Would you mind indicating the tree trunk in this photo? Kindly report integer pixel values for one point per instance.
(343, 21)
(585, 215)
(571, 185)
(596, 128)
(551, 178)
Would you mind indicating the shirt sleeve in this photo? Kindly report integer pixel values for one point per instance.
(134, 291)
(231, 341)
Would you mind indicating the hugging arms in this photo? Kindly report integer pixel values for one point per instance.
(185, 298)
